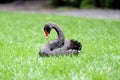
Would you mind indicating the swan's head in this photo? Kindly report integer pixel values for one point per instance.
(47, 29)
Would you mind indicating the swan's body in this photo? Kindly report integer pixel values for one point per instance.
(59, 46)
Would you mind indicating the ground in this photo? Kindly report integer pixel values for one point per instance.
(42, 7)
(22, 36)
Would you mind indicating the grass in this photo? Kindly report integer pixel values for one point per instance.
(21, 37)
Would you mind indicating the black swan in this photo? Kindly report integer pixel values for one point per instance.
(59, 46)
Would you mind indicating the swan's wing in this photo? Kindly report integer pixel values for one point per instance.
(46, 50)
(56, 44)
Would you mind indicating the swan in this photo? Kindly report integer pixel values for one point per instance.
(59, 46)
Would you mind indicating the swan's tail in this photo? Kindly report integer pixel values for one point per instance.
(75, 45)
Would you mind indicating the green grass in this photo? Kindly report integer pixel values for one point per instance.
(21, 37)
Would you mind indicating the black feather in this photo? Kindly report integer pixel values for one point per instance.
(75, 45)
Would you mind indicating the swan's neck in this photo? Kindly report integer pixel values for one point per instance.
(59, 32)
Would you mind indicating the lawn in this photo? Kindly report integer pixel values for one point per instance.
(22, 36)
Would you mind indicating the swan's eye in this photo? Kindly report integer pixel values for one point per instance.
(47, 28)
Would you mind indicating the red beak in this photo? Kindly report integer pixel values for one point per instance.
(46, 33)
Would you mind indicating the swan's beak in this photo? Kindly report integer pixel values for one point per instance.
(46, 33)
